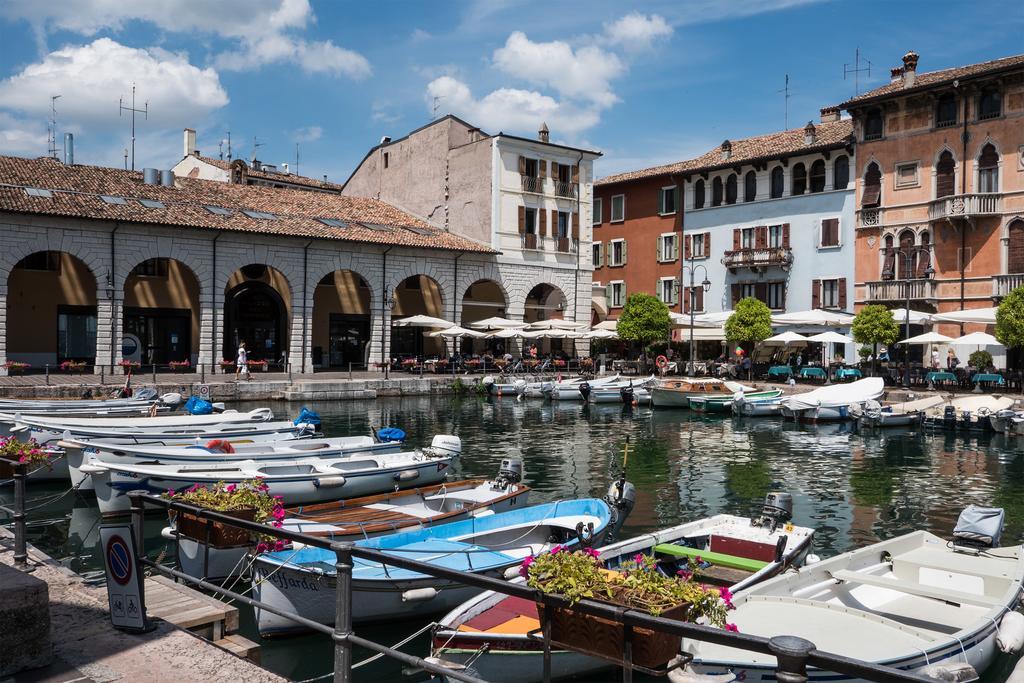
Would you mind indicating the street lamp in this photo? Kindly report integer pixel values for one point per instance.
(706, 284)
(906, 253)
(387, 304)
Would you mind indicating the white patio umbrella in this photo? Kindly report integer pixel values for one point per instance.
(786, 338)
(928, 338)
(506, 334)
(916, 317)
(986, 316)
(597, 333)
(712, 319)
(683, 320)
(455, 332)
(497, 323)
(555, 324)
(814, 317)
(422, 321)
(607, 325)
(831, 338)
(977, 339)
(552, 334)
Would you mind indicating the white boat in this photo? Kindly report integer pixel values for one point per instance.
(509, 387)
(572, 390)
(760, 407)
(970, 413)
(303, 580)
(146, 403)
(874, 414)
(490, 632)
(299, 481)
(614, 392)
(832, 402)
(907, 602)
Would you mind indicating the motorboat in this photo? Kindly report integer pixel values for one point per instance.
(576, 390)
(615, 392)
(144, 403)
(302, 580)
(762, 407)
(908, 602)
(710, 403)
(510, 387)
(970, 413)
(832, 402)
(309, 479)
(369, 516)
(492, 632)
(874, 414)
(676, 393)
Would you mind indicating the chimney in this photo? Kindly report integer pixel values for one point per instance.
(726, 149)
(910, 68)
(896, 74)
(544, 135)
(829, 114)
(190, 142)
(69, 149)
(810, 133)
(284, 167)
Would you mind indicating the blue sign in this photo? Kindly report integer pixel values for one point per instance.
(119, 560)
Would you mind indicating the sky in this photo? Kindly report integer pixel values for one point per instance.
(645, 83)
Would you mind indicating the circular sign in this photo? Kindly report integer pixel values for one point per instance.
(204, 391)
(119, 560)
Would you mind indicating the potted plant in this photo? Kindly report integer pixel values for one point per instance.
(500, 363)
(260, 365)
(559, 363)
(13, 452)
(129, 364)
(587, 364)
(227, 364)
(249, 500)
(15, 367)
(72, 366)
(179, 365)
(638, 585)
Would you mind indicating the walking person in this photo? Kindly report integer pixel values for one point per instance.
(242, 362)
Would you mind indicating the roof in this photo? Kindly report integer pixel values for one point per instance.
(78, 191)
(288, 178)
(933, 79)
(550, 144)
(829, 135)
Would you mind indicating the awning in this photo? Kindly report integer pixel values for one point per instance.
(984, 316)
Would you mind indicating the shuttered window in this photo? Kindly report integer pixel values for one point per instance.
(988, 170)
(778, 182)
(799, 179)
(618, 208)
(748, 238)
(698, 194)
(598, 210)
(730, 189)
(872, 187)
(667, 200)
(873, 125)
(598, 251)
(945, 111)
(841, 172)
(616, 294)
(776, 296)
(716, 191)
(750, 186)
(699, 244)
(668, 249)
(829, 232)
(990, 104)
(775, 236)
(945, 175)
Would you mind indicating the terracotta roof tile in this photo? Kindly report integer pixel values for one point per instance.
(931, 79)
(289, 178)
(76, 192)
(783, 143)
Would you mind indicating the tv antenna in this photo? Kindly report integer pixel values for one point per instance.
(255, 146)
(52, 137)
(220, 150)
(856, 71)
(785, 98)
(296, 158)
(437, 105)
(144, 111)
(229, 145)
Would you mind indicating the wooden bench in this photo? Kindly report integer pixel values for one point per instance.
(919, 589)
(718, 559)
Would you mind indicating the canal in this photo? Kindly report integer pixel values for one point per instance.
(853, 488)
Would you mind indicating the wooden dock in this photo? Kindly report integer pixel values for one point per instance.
(204, 615)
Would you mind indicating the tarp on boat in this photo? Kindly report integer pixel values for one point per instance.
(837, 395)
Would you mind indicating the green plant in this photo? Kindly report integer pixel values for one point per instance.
(875, 325)
(864, 352)
(980, 359)
(251, 494)
(751, 321)
(644, 318)
(28, 452)
(1010, 320)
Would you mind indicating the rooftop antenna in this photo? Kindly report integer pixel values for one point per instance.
(296, 158)
(144, 111)
(437, 105)
(52, 137)
(126, 158)
(786, 99)
(856, 71)
(255, 146)
(229, 145)
(220, 150)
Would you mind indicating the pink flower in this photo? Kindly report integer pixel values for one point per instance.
(557, 549)
(732, 627)
(685, 574)
(726, 596)
(638, 558)
(170, 493)
(593, 553)
(278, 513)
(699, 560)
(524, 568)
(230, 488)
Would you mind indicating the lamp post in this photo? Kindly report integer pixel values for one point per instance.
(387, 304)
(706, 284)
(906, 254)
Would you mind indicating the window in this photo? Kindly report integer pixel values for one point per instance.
(667, 247)
(333, 222)
(698, 194)
(698, 244)
(530, 221)
(748, 291)
(154, 267)
(76, 332)
(776, 237)
(218, 210)
(907, 175)
(818, 176)
(262, 215)
(597, 217)
(38, 192)
(564, 221)
(618, 208)
(990, 104)
(113, 200)
(830, 293)
(988, 169)
(799, 179)
(716, 191)
(598, 251)
(617, 252)
(750, 186)
(777, 182)
(872, 196)
(667, 290)
(776, 296)
(386, 159)
(616, 294)
(945, 175)
(730, 189)
(748, 238)
(152, 204)
(841, 172)
(41, 260)
(529, 173)
(667, 200)
(873, 127)
(528, 167)
(829, 232)
(945, 111)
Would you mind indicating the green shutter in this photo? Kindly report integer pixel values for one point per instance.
(661, 248)
(608, 295)
(623, 252)
(661, 201)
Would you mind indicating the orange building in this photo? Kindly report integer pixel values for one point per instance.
(940, 187)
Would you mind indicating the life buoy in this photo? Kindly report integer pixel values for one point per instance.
(661, 362)
(220, 445)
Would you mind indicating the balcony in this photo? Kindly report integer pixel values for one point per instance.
(565, 245)
(533, 184)
(969, 206)
(532, 241)
(869, 218)
(758, 258)
(895, 290)
(1002, 285)
(567, 190)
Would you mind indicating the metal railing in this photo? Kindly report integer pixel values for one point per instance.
(533, 184)
(965, 206)
(794, 655)
(869, 218)
(532, 240)
(896, 290)
(758, 258)
(107, 374)
(17, 515)
(565, 189)
(1002, 285)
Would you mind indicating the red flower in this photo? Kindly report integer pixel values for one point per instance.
(593, 553)
(726, 596)
(524, 568)
(732, 627)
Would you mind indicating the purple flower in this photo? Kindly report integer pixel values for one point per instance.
(593, 553)
(732, 627)
(684, 574)
(524, 568)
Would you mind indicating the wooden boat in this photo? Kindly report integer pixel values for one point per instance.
(906, 602)
(370, 516)
(676, 393)
(764, 407)
(491, 631)
(723, 403)
(873, 414)
(831, 402)
(969, 413)
(302, 480)
(302, 580)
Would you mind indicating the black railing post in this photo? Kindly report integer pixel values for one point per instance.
(20, 548)
(791, 652)
(202, 373)
(103, 370)
(47, 368)
(153, 368)
(343, 612)
(350, 370)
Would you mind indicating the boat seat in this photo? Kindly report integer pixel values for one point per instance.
(719, 559)
(919, 589)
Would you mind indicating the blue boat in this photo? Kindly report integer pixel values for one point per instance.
(303, 580)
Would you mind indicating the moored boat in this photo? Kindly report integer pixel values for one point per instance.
(574, 390)
(723, 403)
(764, 407)
(874, 414)
(967, 413)
(676, 393)
(832, 402)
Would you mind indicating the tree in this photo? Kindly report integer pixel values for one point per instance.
(750, 322)
(875, 325)
(644, 318)
(1010, 320)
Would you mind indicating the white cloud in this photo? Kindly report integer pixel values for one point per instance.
(380, 113)
(22, 137)
(308, 134)
(637, 31)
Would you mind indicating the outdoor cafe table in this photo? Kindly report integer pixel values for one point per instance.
(847, 373)
(937, 376)
(813, 372)
(988, 377)
(779, 371)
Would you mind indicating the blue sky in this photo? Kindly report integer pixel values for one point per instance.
(646, 83)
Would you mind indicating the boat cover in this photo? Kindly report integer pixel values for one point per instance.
(980, 525)
(839, 394)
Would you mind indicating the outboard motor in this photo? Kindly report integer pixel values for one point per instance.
(510, 473)
(148, 393)
(965, 419)
(585, 391)
(978, 529)
(949, 417)
(776, 511)
(621, 497)
(627, 395)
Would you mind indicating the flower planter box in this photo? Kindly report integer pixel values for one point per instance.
(604, 639)
(7, 468)
(221, 535)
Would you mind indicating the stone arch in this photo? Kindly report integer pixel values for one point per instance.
(416, 294)
(161, 311)
(258, 309)
(343, 310)
(940, 158)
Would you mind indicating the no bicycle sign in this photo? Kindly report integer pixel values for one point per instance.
(124, 585)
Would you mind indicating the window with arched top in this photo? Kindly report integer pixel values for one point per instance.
(873, 125)
(818, 176)
(888, 259)
(945, 175)
(799, 179)
(1015, 246)
(906, 258)
(730, 189)
(750, 186)
(945, 111)
(841, 172)
(990, 104)
(698, 194)
(988, 169)
(924, 254)
(716, 191)
(778, 182)
(872, 195)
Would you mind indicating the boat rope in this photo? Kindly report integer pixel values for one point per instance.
(239, 576)
(476, 655)
(48, 500)
(275, 570)
(404, 641)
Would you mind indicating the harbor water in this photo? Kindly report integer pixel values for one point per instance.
(854, 488)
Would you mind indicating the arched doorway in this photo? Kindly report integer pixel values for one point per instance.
(51, 310)
(483, 299)
(341, 321)
(161, 313)
(416, 295)
(1015, 255)
(257, 307)
(545, 302)
(905, 261)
